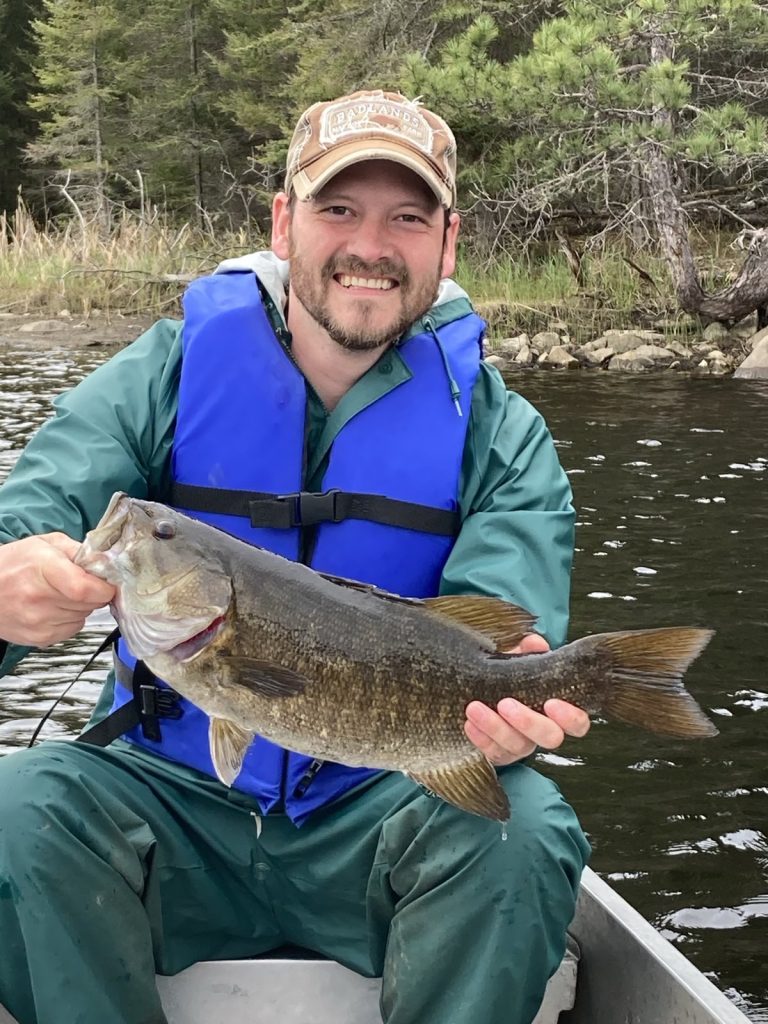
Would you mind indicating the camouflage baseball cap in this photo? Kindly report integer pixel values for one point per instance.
(372, 125)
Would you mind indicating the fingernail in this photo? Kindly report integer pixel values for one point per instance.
(509, 704)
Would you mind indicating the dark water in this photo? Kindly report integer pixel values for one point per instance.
(671, 477)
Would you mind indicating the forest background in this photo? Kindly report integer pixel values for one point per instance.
(612, 152)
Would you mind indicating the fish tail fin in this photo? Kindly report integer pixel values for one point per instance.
(645, 669)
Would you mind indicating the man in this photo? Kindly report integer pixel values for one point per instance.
(358, 375)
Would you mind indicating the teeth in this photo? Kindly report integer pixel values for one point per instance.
(382, 283)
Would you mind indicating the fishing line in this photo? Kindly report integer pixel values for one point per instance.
(106, 643)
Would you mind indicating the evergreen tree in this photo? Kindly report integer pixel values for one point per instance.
(81, 114)
(17, 121)
(180, 138)
(615, 113)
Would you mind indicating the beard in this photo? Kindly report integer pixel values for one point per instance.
(358, 333)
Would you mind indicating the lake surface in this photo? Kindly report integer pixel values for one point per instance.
(670, 476)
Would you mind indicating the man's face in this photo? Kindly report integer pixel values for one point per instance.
(367, 253)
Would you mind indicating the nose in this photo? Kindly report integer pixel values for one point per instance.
(370, 241)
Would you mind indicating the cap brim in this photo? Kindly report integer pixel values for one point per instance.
(307, 183)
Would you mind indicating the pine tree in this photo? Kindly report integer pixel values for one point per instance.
(180, 138)
(620, 113)
(81, 113)
(17, 120)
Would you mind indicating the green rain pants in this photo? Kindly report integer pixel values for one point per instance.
(116, 865)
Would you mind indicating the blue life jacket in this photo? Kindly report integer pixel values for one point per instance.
(241, 426)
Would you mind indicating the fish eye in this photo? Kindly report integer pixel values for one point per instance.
(164, 530)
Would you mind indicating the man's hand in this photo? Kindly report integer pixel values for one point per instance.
(44, 596)
(513, 731)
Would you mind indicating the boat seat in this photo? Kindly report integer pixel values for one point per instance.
(296, 986)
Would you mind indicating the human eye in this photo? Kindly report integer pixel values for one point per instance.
(412, 218)
(337, 210)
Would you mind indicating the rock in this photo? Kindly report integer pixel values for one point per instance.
(715, 332)
(626, 341)
(545, 340)
(524, 357)
(715, 355)
(595, 356)
(559, 357)
(511, 346)
(755, 340)
(678, 348)
(64, 312)
(628, 362)
(719, 367)
(40, 327)
(558, 325)
(497, 361)
(745, 328)
(755, 366)
(656, 353)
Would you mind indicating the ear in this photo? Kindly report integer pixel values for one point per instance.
(449, 245)
(281, 226)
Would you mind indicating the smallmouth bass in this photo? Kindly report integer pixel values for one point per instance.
(342, 671)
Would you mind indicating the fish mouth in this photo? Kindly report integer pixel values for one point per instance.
(93, 555)
(193, 646)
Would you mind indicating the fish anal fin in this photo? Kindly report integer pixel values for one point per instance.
(646, 687)
(228, 744)
(504, 623)
(471, 785)
(265, 678)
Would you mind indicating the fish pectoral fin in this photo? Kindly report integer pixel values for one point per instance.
(504, 623)
(471, 785)
(228, 743)
(265, 678)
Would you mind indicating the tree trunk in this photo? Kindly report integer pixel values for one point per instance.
(196, 152)
(102, 207)
(750, 289)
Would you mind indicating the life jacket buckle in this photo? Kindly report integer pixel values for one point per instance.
(308, 508)
(157, 702)
(307, 778)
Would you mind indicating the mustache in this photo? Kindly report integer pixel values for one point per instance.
(355, 267)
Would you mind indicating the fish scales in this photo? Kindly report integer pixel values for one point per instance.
(341, 671)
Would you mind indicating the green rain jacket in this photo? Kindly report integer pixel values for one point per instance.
(114, 431)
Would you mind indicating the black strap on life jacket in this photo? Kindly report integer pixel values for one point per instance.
(149, 704)
(308, 508)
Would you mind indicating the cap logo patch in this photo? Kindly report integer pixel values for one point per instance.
(343, 121)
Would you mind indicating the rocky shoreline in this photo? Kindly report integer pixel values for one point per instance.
(741, 352)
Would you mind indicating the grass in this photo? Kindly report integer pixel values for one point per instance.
(141, 265)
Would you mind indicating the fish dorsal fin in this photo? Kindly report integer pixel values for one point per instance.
(471, 785)
(228, 743)
(265, 678)
(368, 588)
(506, 624)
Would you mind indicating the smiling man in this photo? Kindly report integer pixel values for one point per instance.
(328, 400)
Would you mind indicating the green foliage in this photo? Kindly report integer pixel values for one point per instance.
(556, 106)
(80, 112)
(573, 120)
(17, 119)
